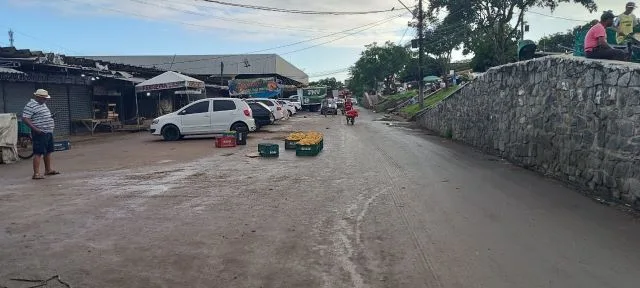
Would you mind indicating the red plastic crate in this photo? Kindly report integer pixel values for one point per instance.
(225, 142)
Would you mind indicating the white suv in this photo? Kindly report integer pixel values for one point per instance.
(206, 116)
(291, 109)
(275, 107)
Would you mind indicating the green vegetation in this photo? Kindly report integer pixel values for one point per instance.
(430, 102)
(394, 100)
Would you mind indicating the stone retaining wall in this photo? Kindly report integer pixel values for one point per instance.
(574, 119)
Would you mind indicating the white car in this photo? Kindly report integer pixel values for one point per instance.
(291, 109)
(275, 107)
(206, 116)
(295, 102)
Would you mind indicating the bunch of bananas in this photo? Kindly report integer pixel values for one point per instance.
(311, 138)
(296, 136)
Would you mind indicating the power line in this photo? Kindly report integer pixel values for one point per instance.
(558, 17)
(308, 12)
(403, 34)
(246, 22)
(371, 25)
(298, 50)
(41, 40)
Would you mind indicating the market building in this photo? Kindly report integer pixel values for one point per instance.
(218, 69)
(99, 92)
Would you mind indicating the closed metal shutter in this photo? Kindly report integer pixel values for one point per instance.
(17, 95)
(80, 100)
(2, 98)
(59, 105)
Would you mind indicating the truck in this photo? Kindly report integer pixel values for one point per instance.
(311, 97)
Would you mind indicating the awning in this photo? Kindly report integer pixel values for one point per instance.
(169, 80)
(431, 79)
(10, 71)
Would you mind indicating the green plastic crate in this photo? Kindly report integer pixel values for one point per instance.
(308, 150)
(229, 133)
(269, 150)
(290, 144)
(23, 128)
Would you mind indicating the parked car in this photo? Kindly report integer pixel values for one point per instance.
(262, 114)
(295, 102)
(288, 106)
(206, 116)
(275, 107)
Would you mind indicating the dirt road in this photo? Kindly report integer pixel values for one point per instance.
(381, 206)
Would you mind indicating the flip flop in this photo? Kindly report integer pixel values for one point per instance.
(53, 172)
(37, 177)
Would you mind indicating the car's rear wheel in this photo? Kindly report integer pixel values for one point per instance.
(171, 133)
(239, 126)
(290, 114)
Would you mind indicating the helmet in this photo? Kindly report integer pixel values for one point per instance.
(631, 5)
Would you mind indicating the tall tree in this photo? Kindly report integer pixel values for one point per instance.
(441, 38)
(492, 19)
(378, 64)
(556, 42)
(331, 83)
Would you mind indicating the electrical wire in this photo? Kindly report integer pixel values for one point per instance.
(42, 40)
(558, 17)
(307, 12)
(403, 34)
(246, 22)
(370, 25)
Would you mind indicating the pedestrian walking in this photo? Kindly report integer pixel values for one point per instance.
(38, 117)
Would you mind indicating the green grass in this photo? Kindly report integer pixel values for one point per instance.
(392, 101)
(412, 110)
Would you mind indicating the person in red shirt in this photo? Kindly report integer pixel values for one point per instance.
(348, 105)
(595, 43)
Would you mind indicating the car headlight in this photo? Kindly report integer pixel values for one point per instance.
(155, 121)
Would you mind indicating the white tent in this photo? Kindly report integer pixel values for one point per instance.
(169, 80)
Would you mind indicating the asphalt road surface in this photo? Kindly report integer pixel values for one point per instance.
(381, 206)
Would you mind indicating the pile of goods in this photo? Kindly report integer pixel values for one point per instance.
(292, 140)
(311, 138)
(306, 143)
(296, 136)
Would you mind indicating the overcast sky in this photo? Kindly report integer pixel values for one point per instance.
(134, 27)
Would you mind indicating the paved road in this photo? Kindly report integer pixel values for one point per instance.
(382, 206)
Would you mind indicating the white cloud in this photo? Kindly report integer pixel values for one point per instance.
(248, 25)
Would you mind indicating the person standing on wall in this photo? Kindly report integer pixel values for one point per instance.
(625, 22)
(38, 117)
(595, 42)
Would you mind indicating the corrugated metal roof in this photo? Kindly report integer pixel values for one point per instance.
(250, 64)
(9, 70)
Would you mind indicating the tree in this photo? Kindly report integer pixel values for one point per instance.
(378, 63)
(492, 18)
(441, 39)
(331, 83)
(555, 42)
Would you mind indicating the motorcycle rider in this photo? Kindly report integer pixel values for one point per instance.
(625, 22)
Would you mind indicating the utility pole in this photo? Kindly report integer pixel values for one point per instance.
(11, 38)
(221, 74)
(420, 54)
